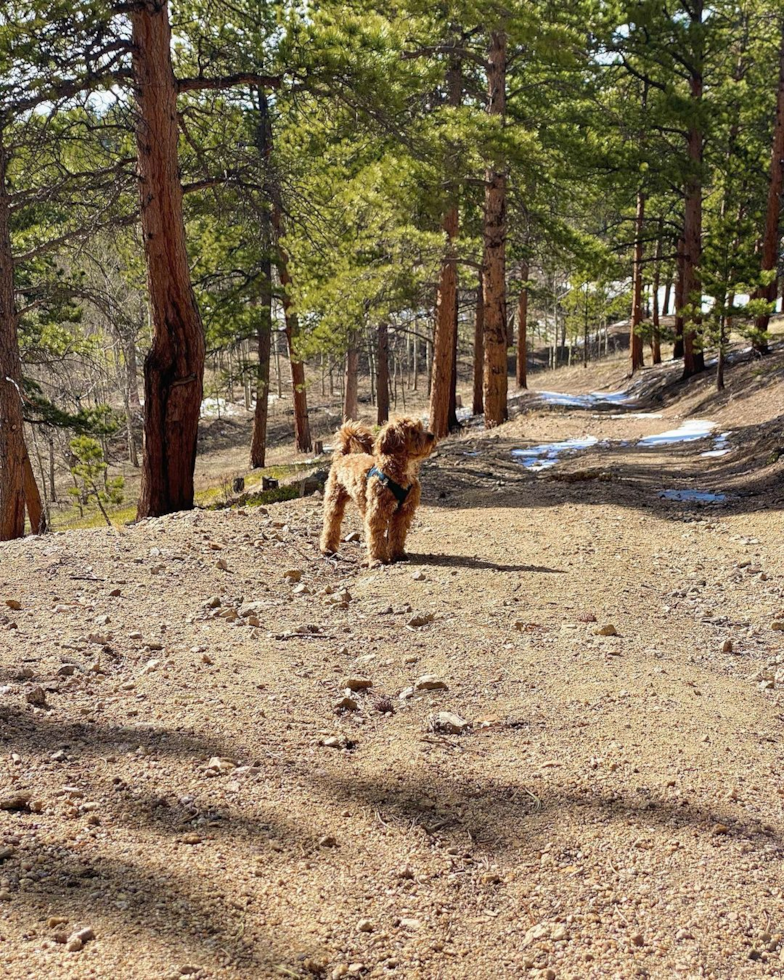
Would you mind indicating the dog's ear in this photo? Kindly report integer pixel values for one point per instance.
(391, 440)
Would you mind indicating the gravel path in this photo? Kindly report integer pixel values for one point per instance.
(181, 797)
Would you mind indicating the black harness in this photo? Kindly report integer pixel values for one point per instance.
(398, 492)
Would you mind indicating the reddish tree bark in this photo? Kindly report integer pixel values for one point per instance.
(442, 392)
(635, 340)
(771, 237)
(693, 358)
(35, 508)
(677, 349)
(12, 447)
(174, 367)
(656, 333)
(258, 448)
(522, 328)
(382, 374)
(478, 404)
(494, 260)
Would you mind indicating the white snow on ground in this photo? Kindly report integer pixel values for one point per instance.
(583, 401)
(694, 496)
(720, 447)
(689, 431)
(544, 456)
(214, 407)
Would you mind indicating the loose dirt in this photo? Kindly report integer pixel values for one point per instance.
(179, 782)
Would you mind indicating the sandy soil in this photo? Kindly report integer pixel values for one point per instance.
(179, 782)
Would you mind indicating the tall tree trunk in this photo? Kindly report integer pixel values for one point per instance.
(656, 333)
(771, 238)
(445, 334)
(635, 339)
(478, 405)
(665, 308)
(301, 420)
(382, 373)
(494, 260)
(693, 358)
(12, 446)
(452, 418)
(174, 367)
(677, 349)
(522, 328)
(351, 399)
(585, 329)
(258, 447)
(35, 509)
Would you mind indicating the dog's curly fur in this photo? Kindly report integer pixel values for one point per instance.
(398, 451)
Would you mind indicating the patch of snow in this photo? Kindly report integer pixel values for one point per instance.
(690, 431)
(215, 407)
(544, 456)
(720, 447)
(694, 496)
(635, 415)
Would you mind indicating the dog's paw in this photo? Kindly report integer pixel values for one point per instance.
(372, 563)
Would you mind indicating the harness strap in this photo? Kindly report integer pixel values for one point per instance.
(398, 492)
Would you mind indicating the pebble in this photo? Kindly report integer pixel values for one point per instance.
(419, 576)
(13, 604)
(6, 853)
(420, 619)
(352, 536)
(447, 723)
(66, 670)
(608, 630)
(328, 841)
(777, 624)
(357, 683)
(429, 682)
(726, 647)
(212, 603)
(364, 925)
(37, 697)
(293, 575)
(347, 703)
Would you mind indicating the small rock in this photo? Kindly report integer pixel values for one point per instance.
(352, 536)
(6, 853)
(638, 939)
(66, 670)
(777, 624)
(293, 575)
(420, 619)
(150, 666)
(74, 944)
(328, 841)
(447, 723)
(56, 920)
(347, 703)
(300, 589)
(411, 924)
(222, 564)
(406, 693)
(419, 576)
(206, 659)
(13, 604)
(15, 801)
(357, 683)
(115, 593)
(726, 647)
(720, 828)
(364, 925)
(219, 766)
(213, 602)
(608, 630)
(429, 682)
(37, 696)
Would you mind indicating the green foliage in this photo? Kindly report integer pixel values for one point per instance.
(90, 476)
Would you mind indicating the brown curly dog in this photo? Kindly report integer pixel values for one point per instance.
(383, 481)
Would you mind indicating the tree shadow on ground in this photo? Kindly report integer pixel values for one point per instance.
(463, 561)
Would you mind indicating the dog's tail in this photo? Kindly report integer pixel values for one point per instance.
(353, 437)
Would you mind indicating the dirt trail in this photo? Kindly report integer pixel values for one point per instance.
(183, 786)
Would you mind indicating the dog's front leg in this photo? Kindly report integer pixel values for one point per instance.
(378, 519)
(402, 520)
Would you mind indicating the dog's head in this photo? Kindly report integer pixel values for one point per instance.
(405, 437)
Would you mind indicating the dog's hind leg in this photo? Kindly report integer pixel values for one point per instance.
(401, 522)
(335, 500)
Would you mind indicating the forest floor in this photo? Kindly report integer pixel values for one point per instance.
(179, 783)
